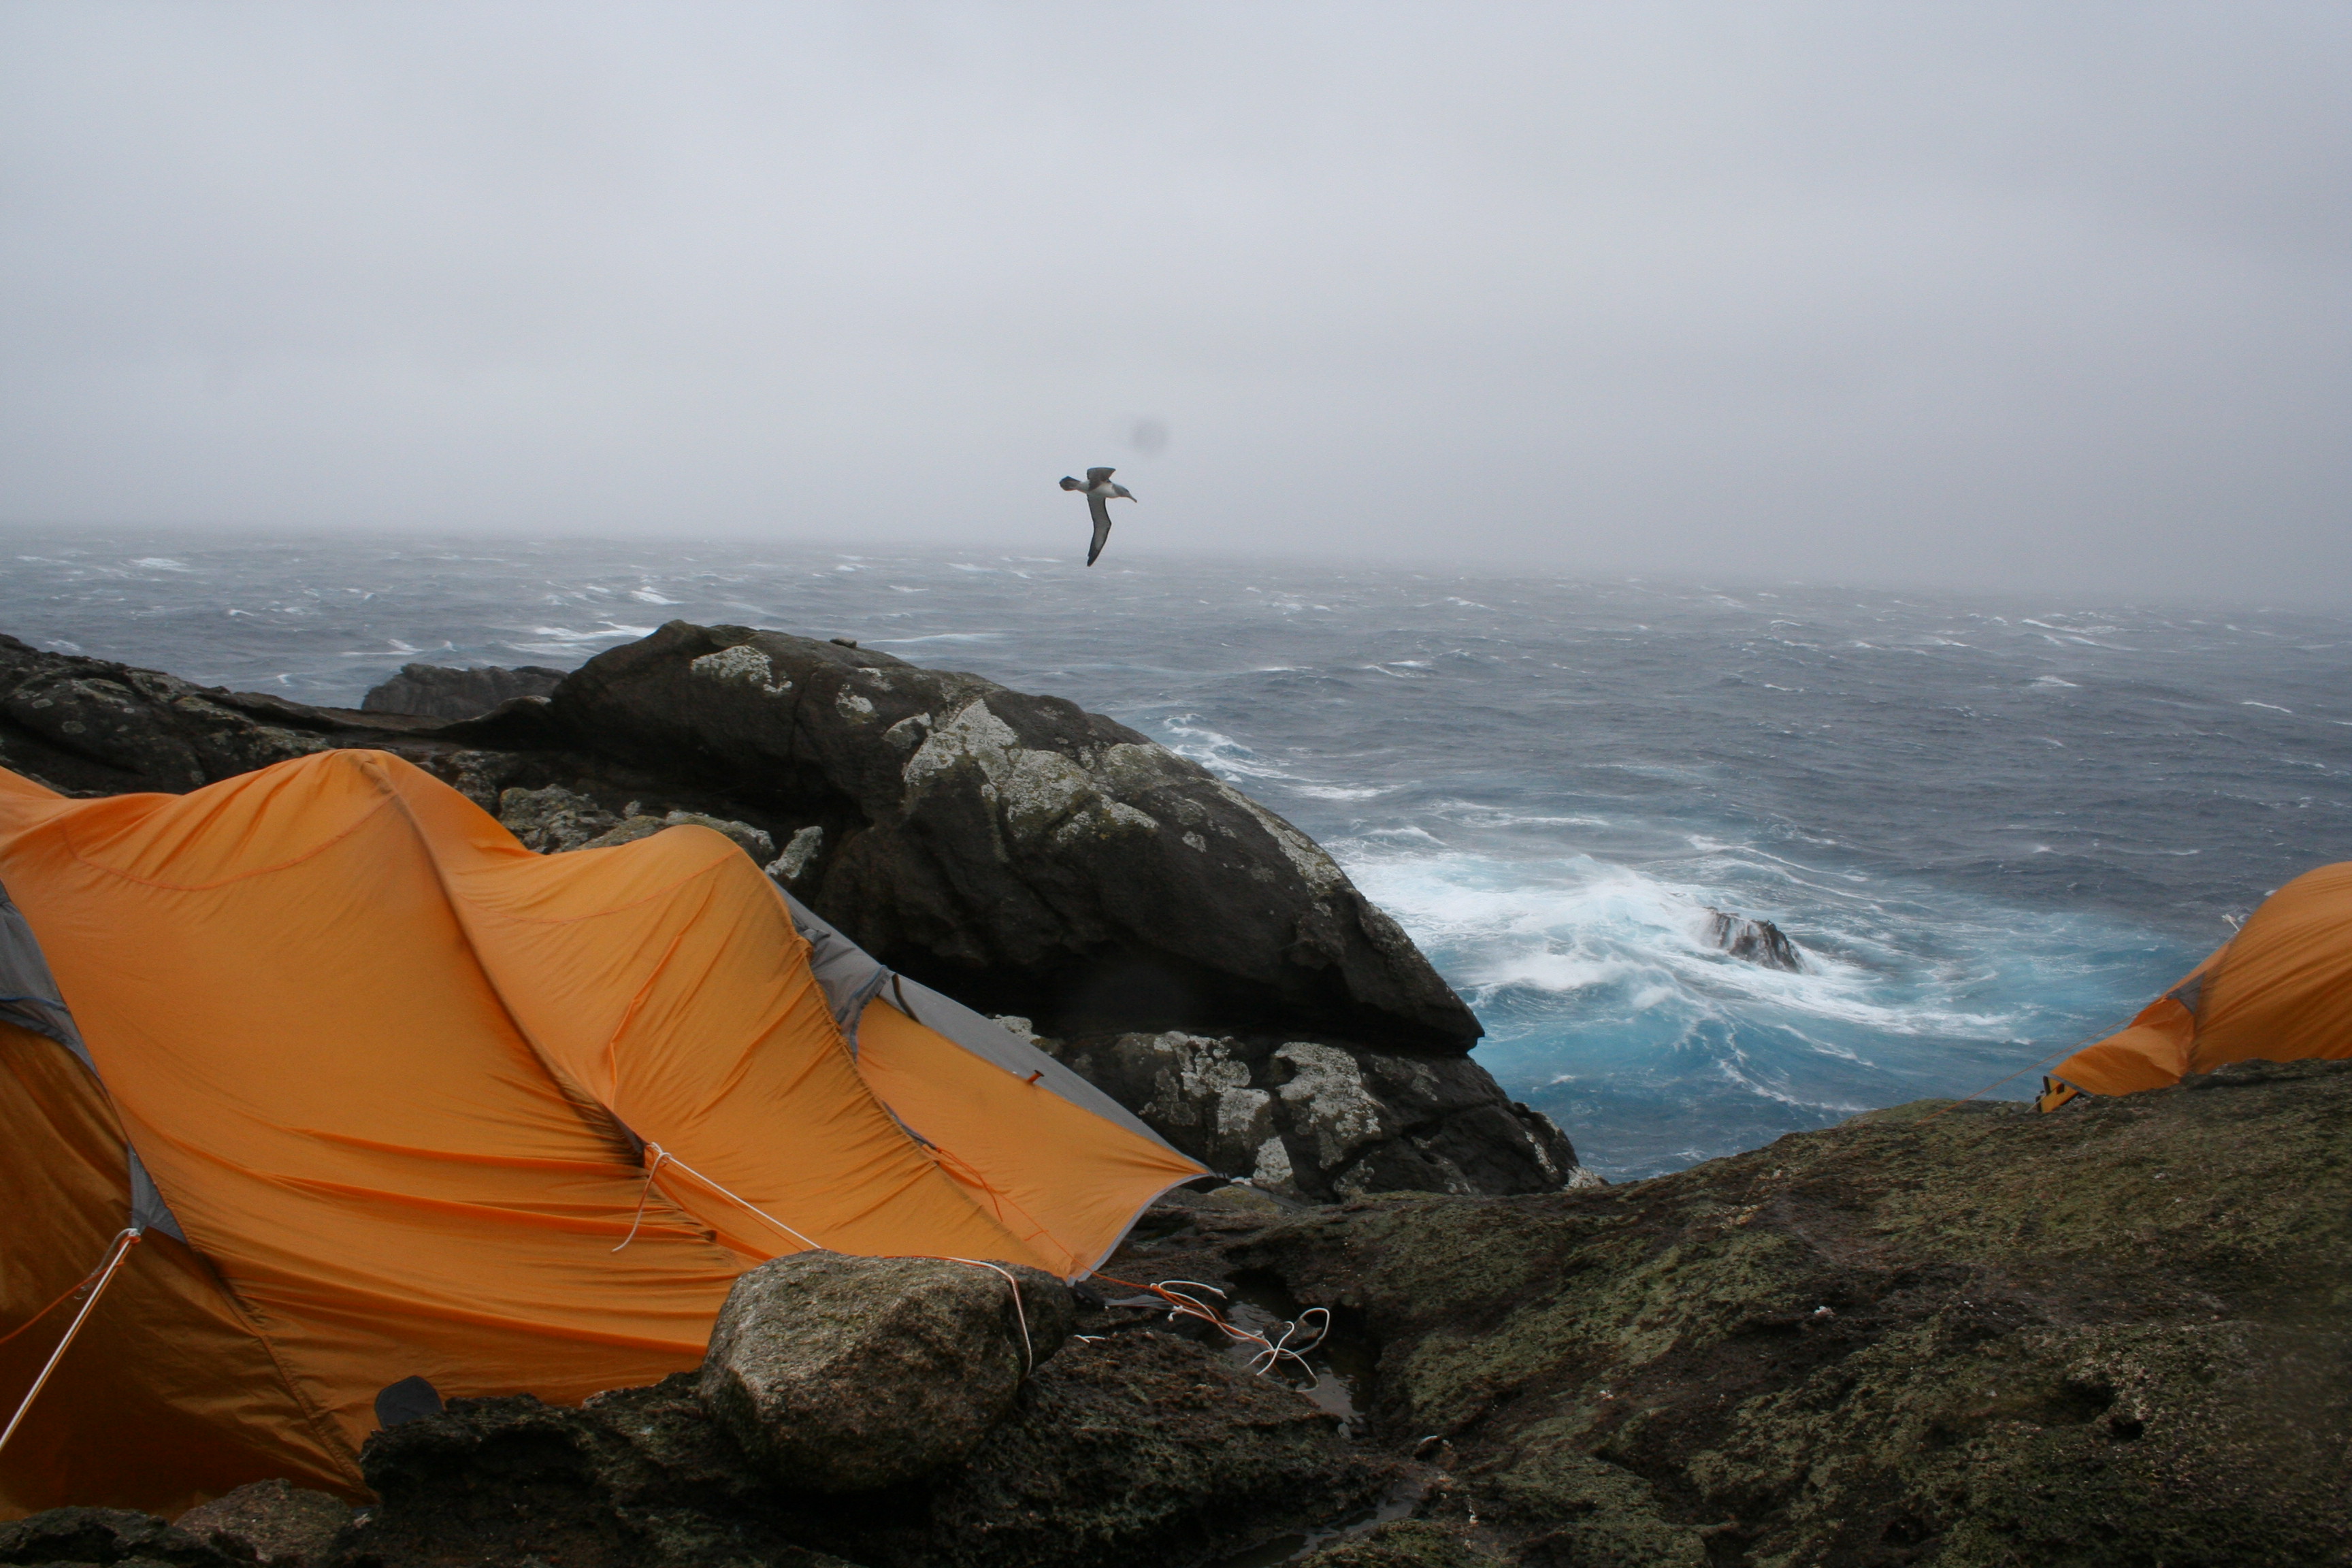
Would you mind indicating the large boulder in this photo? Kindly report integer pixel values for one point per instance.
(435, 691)
(843, 1373)
(91, 726)
(1015, 851)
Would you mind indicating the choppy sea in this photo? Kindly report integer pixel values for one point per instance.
(1993, 825)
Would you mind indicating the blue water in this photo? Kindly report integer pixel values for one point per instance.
(1993, 825)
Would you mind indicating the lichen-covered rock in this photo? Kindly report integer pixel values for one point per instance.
(994, 842)
(1322, 1121)
(844, 1373)
(553, 819)
(751, 840)
(93, 726)
(270, 1522)
(435, 691)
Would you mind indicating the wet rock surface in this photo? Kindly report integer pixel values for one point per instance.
(1758, 941)
(841, 1373)
(435, 691)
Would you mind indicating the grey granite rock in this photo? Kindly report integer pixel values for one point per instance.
(554, 820)
(1014, 850)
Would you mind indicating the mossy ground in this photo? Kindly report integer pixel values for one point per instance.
(1960, 1334)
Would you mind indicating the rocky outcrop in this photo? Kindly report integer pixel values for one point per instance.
(1324, 1120)
(89, 726)
(1013, 851)
(1757, 941)
(435, 691)
(841, 1373)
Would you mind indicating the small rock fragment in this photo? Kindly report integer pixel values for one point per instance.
(799, 851)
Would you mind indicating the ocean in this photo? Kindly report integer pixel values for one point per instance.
(1993, 825)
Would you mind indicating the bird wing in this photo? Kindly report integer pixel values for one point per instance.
(1101, 509)
(1096, 476)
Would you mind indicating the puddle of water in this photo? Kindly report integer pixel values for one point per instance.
(1397, 1502)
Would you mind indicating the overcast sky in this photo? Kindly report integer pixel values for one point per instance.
(2054, 294)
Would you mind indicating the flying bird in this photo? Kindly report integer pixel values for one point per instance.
(1099, 493)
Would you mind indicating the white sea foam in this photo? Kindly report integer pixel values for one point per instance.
(940, 636)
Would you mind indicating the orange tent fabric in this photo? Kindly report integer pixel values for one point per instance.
(404, 1085)
(2281, 990)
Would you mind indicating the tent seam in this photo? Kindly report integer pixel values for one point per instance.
(311, 854)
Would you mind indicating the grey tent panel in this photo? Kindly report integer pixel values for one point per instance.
(850, 978)
(148, 1209)
(30, 998)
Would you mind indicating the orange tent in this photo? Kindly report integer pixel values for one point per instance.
(2280, 989)
(385, 1094)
